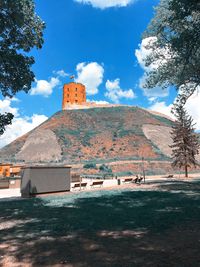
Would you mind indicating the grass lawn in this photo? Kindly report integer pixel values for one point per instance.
(156, 227)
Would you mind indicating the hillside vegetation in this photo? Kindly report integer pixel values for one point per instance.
(92, 135)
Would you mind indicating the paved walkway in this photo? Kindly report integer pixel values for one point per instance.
(9, 193)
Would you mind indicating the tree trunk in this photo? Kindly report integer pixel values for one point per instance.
(186, 171)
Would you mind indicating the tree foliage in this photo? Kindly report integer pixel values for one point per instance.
(175, 50)
(5, 119)
(185, 141)
(105, 168)
(20, 31)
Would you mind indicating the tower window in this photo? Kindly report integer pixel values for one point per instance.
(75, 95)
(76, 89)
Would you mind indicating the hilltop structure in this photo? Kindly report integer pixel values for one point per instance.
(74, 97)
(73, 93)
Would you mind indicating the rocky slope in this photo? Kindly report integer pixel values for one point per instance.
(97, 135)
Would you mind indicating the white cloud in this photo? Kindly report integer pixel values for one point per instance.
(152, 99)
(115, 93)
(44, 87)
(101, 102)
(5, 106)
(20, 125)
(162, 108)
(155, 93)
(106, 3)
(193, 107)
(91, 75)
(144, 51)
(61, 73)
(148, 47)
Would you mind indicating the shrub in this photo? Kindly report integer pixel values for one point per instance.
(125, 173)
(90, 166)
(163, 120)
(105, 168)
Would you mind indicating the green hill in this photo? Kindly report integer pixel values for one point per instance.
(96, 135)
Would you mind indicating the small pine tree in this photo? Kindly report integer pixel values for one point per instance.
(185, 142)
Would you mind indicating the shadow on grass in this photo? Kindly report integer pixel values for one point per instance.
(118, 228)
(181, 186)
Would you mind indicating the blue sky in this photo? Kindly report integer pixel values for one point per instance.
(79, 33)
(98, 41)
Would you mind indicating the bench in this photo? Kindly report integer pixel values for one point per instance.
(128, 180)
(138, 179)
(79, 185)
(170, 176)
(4, 184)
(97, 183)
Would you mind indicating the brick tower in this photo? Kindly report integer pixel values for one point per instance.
(73, 93)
